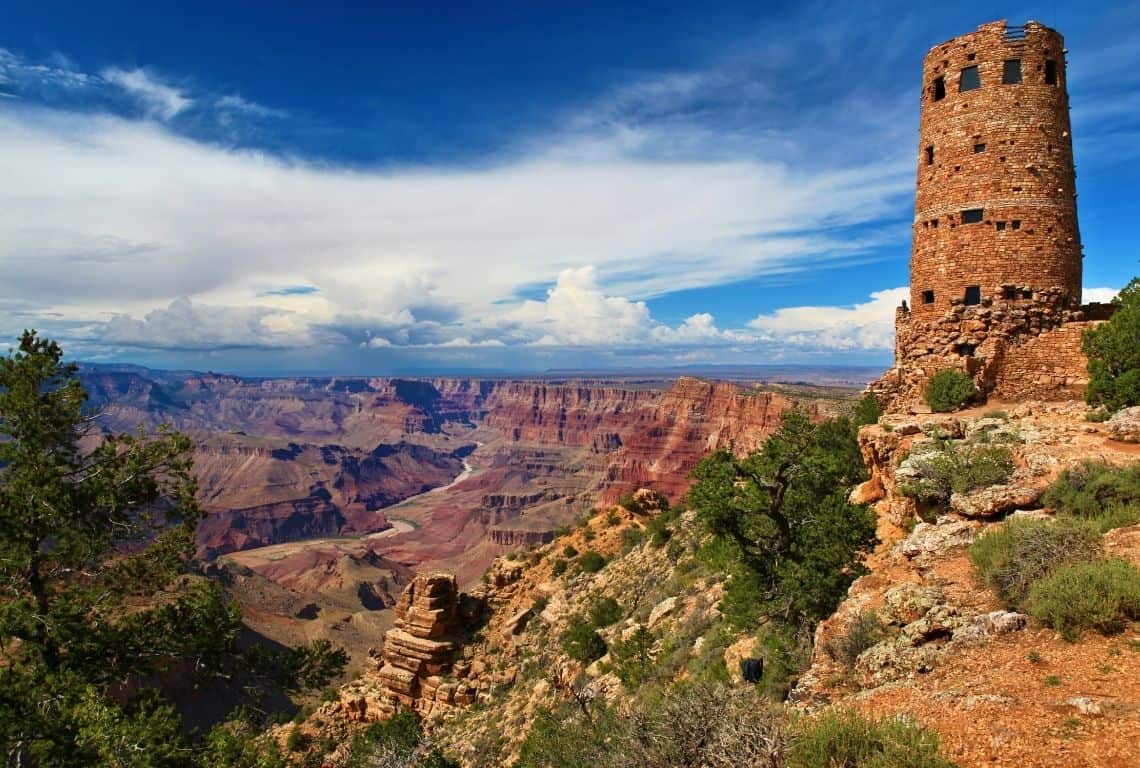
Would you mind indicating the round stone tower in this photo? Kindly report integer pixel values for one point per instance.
(996, 212)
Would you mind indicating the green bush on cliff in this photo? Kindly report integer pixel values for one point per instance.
(1014, 556)
(1113, 351)
(591, 561)
(1107, 495)
(867, 411)
(948, 390)
(955, 467)
(849, 739)
(1103, 596)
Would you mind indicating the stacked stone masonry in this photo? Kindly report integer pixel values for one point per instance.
(995, 270)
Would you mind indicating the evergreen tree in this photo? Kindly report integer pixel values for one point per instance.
(96, 600)
(797, 541)
(1113, 350)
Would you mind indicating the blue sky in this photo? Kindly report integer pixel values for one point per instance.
(374, 188)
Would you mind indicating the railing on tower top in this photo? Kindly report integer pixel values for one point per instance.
(1015, 33)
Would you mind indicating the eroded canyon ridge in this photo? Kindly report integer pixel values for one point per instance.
(325, 496)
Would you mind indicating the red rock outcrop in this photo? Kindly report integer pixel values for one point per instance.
(418, 654)
(662, 445)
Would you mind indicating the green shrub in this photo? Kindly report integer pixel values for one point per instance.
(997, 413)
(865, 632)
(848, 740)
(948, 390)
(632, 537)
(867, 411)
(570, 551)
(660, 527)
(1102, 596)
(1113, 352)
(957, 468)
(591, 562)
(633, 657)
(588, 534)
(400, 734)
(1107, 495)
(612, 518)
(582, 641)
(604, 611)
(558, 567)
(1014, 556)
(1098, 417)
(539, 605)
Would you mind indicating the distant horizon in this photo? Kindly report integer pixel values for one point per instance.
(720, 372)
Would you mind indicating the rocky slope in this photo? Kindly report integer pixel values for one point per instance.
(997, 686)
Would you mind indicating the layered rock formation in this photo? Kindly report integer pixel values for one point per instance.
(415, 668)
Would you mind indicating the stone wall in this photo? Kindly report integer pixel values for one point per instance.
(1046, 367)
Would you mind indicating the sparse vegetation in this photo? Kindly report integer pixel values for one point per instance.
(956, 467)
(591, 561)
(558, 567)
(867, 411)
(948, 390)
(716, 727)
(569, 552)
(582, 642)
(1106, 495)
(1113, 351)
(996, 413)
(864, 632)
(1103, 596)
(848, 739)
(1015, 555)
(604, 611)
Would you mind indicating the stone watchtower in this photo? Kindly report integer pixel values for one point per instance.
(995, 270)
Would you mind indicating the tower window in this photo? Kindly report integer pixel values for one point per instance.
(930, 155)
(1011, 72)
(1016, 223)
(978, 148)
(939, 89)
(1000, 226)
(973, 216)
(928, 297)
(1027, 294)
(966, 350)
(973, 295)
(970, 80)
(1050, 72)
(1009, 292)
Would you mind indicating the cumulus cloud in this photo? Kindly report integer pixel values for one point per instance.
(183, 325)
(867, 325)
(158, 98)
(1102, 295)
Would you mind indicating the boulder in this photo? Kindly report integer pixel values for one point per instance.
(1124, 426)
(995, 500)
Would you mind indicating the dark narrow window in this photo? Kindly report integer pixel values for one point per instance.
(979, 148)
(934, 223)
(1016, 223)
(966, 350)
(973, 216)
(1027, 294)
(969, 80)
(1011, 72)
(928, 297)
(1050, 72)
(1009, 292)
(939, 89)
(1000, 226)
(973, 294)
(930, 155)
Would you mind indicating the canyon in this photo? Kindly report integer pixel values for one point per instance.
(324, 496)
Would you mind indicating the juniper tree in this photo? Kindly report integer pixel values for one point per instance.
(96, 600)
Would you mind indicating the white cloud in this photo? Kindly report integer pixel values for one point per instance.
(868, 325)
(1102, 295)
(236, 103)
(159, 99)
(182, 325)
(389, 251)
